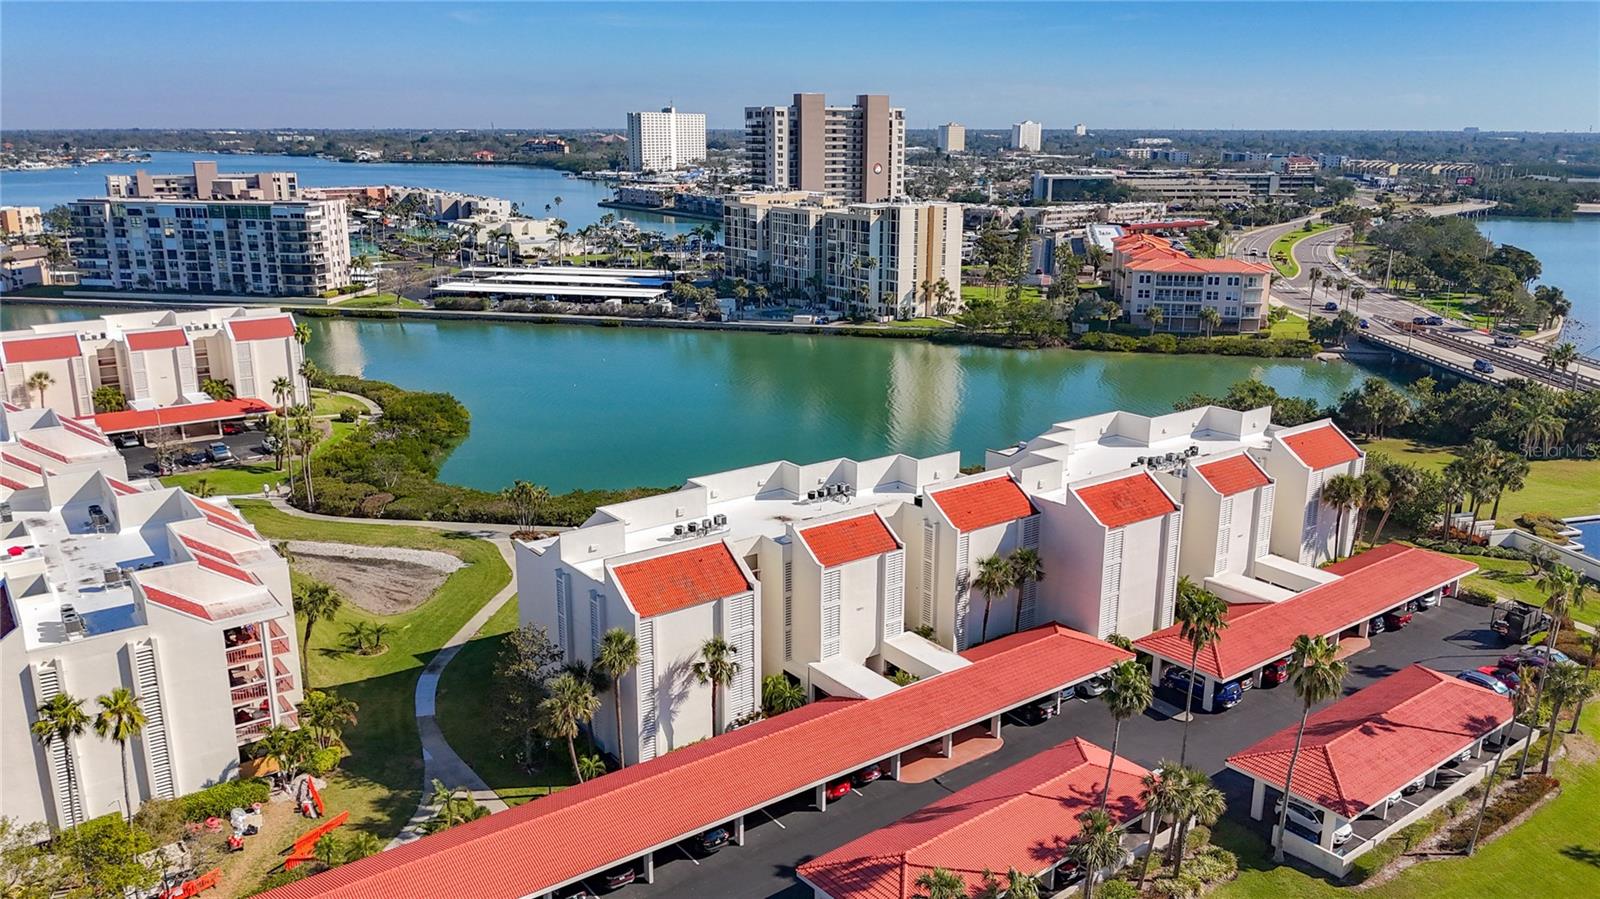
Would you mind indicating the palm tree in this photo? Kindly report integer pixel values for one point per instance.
(317, 602)
(306, 437)
(1358, 293)
(940, 883)
(302, 334)
(995, 577)
(1316, 676)
(1374, 495)
(1202, 617)
(1405, 482)
(1594, 650)
(40, 381)
(1315, 276)
(1565, 682)
(619, 653)
(717, 667)
(1210, 319)
(60, 720)
(1341, 492)
(1159, 793)
(1507, 472)
(217, 388)
(1096, 846)
(1562, 356)
(591, 766)
(326, 715)
(779, 694)
(1127, 695)
(1564, 586)
(455, 806)
(120, 719)
(1026, 568)
(1154, 317)
(1521, 704)
(571, 703)
(1198, 802)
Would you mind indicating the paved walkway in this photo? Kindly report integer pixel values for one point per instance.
(439, 761)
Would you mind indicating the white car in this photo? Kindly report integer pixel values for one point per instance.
(1414, 786)
(1311, 819)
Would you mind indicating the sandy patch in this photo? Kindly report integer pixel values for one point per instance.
(383, 580)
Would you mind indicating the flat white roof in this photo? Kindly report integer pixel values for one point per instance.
(542, 290)
(570, 271)
(65, 443)
(842, 677)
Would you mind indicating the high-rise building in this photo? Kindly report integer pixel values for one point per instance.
(665, 140)
(23, 221)
(855, 153)
(212, 234)
(952, 138)
(1080, 129)
(1027, 136)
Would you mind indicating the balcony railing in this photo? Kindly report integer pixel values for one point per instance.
(239, 655)
(249, 693)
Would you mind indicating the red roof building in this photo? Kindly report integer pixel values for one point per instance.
(182, 414)
(839, 542)
(978, 505)
(41, 349)
(681, 579)
(560, 839)
(159, 339)
(1258, 633)
(1121, 502)
(1322, 447)
(1233, 475)
(1366, 747)
(1023, 817)
(276, 327)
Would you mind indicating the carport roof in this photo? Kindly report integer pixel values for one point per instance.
(1022, 817)
(1260, 632)
(582, 830)
(180, 414)
(1367, 746)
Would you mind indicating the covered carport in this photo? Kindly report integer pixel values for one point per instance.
(1370, 584)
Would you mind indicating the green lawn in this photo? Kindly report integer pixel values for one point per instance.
(1292, 328)
(325, 403)
(1562, 487)
(1462, 307)
(380, 301)
(1284, 247)
(247, 480)
(1554, 853)
(970, 292)
(380, 782)
(921, 323)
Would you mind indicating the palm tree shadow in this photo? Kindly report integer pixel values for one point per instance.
(1584, 854)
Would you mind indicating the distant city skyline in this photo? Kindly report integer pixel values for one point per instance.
(1157, 66)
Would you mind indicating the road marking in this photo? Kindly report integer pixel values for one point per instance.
(773, 820)
(855, 791)
(689, 857)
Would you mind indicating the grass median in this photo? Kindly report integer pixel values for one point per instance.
(1282, 250)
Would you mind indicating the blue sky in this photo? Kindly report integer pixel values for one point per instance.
(1505, 66)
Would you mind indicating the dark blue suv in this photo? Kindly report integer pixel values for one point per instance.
(1224, 695)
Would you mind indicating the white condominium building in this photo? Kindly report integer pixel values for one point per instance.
(106, 585)
(952, 138)
(157, 360)
(206, 183)
(1148, 272)
(1300, 460)
(1027, 136)
(881, 259)
(855, 153)
(665, 140)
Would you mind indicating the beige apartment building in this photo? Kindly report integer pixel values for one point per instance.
(23, 221)
(205, 184)
(881, 259)
(855, 153)
(952, 138)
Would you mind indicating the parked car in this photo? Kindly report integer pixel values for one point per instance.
(219, 452)
(1415, 786)
(1483, 365)
(1426, 601)
(1462, 756)
(1396, 620)
(839, 788)
(1224, 695)
(1311, 819)
(576, 891)
(1330, 307)
(1504, 675)
(1532, 657)
(270, 444)
(193, 457)
(710, 841)
(1034, 712)
(866, 775)
(1376, 626)
(231, 428)
(1094, 686)
(1485, 681)
(617, 878)
(1275, 673)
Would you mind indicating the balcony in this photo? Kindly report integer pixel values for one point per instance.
(248, 694)
(241, 655)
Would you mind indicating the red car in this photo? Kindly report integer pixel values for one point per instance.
(1275, 673)
(1504, 676)
(1396, 620)
(232, 427)
(866, 775)
(839, 789)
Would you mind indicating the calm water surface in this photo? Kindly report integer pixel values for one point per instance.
(1569, 252)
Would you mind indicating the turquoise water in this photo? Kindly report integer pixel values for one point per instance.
(1569, 252)
(530, 187)
(580, 406)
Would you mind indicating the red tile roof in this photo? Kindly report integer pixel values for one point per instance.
(1235, 474)
(1365, 747)
(1022, 817)
(42, 349)
(839, 542)
(162, 339)
(681, 579)
(1135, 497)
(1147, 253)
(540, 845)
(979, 505)
(1322, 447)
(176, 602)
(1257, 633)
(267, 328)
(184, 414)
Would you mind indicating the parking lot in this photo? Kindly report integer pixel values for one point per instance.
(1450, 638)
(246, 448)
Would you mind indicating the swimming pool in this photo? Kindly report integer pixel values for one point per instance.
(1588, 534)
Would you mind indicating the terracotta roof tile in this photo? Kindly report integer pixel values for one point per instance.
(979, 505)
(1232, 475)
(1322, 447)
(839, 542)
(42, 349)
(681, 579)
(273, 327)
(163, 339)
(1367, 746)
(1122, 502)
(185, 413)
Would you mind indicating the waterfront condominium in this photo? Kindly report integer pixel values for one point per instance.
(952, 138)
(107, 585)
(666, 140)
(1027, 136)
(212, 234)
(855, 153)
(880, 259)
(1149, 273)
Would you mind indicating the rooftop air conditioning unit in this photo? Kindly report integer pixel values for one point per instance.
(705, 525)
(719, 519)
(678, 530)
(5, 513)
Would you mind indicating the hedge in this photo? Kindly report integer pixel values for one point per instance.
(1458, 548)
(1276, 347)
(218, 800)
(1410, 837)
(1513, 801)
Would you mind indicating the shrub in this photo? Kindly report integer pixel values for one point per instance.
(277, 879)
(1177, 887)
(1198, 837)
(1212, 864)
(1118, 889)
(217, 800)
(470, 304)
(348, 415)
(1409, 837)
(1516, 799)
